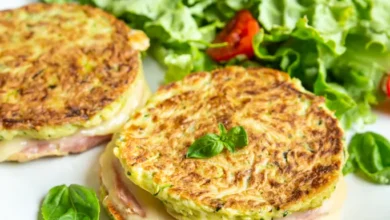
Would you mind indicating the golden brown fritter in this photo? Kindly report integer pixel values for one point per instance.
(62, 64)
(292, 163)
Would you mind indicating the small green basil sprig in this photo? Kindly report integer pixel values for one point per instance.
(211, 145)
(71, 203)
(369, 153)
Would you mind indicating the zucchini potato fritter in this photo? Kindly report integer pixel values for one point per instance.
(292, 164)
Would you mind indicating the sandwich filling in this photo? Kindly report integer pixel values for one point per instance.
(24, 149)
(122, 198)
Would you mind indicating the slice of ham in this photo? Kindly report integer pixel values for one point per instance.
(124, 200)
(59, 147)
(123, 193)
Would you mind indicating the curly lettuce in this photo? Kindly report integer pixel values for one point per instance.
(327, 45)
(335, 48)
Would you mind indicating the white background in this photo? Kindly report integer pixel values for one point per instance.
(23, 186)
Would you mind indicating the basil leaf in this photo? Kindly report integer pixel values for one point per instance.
(212, 144)
(207, 146)
(229, 145)
(84, 200)
(350, 166)
(369, 153)
(237, 137)
(55, 203)
(222, 129)
(71, 203)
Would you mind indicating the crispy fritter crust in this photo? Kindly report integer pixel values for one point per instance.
(292, 163)
(107, 205)
(61, 64)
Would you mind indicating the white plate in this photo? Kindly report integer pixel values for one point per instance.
(23, 186)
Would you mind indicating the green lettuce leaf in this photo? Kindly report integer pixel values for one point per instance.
(181, 61)
(369, 153)
(335, 48)
(360, 71)
(304, 53)
(176, 25)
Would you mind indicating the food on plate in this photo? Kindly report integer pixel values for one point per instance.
(121, 198)
(289, 167)
(369, 153)
(239, 34)
(386, 85)
(338, 49)
(70, 76)
(73, 202)
(210, 145)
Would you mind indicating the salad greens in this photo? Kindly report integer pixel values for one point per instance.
(322, 43)
(339, 49)
(211, 145)
(72, 203)
(369, 153)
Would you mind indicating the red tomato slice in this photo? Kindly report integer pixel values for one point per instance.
(388, 86)
(238, 33)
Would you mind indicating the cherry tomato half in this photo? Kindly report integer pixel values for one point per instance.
(388, 86)
(238, 33)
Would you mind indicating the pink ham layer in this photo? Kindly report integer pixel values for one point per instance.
(59, 147)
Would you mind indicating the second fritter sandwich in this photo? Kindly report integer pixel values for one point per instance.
(290, 169)
(70, 76)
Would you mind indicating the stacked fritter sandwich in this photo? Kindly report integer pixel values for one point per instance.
(70, 76)
(290, 168)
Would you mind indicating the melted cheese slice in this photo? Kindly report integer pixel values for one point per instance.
(8, 148)
(154, 209)
(139, 93)
(337, 199)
